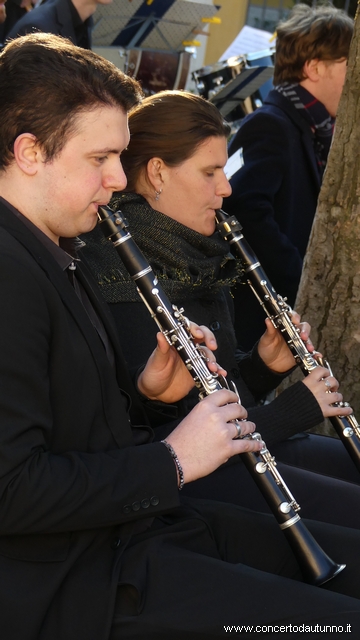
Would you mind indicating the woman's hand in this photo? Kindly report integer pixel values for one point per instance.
(325, 389)
(273, 349)
(166, 377)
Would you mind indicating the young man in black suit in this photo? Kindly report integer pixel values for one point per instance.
(284, 146)
(95, 542)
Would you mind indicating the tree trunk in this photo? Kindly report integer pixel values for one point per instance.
(329, 291)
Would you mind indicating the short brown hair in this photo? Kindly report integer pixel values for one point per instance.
(169, 125)
(46, 82)
(310, 33)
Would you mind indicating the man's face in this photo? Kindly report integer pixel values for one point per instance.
(83, 176)
(2, 11)
(331, 83)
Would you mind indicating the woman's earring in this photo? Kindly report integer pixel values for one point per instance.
(157, 194)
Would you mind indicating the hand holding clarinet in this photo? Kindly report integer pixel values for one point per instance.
(275, 353)
(207, 437)
(281, 317)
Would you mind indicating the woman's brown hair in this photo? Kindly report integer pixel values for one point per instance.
(169, 125)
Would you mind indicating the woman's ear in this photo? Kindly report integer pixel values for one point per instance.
(27, 153)
(155, 168)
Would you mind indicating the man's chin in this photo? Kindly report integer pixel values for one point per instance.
(93, 223)
(90, 223)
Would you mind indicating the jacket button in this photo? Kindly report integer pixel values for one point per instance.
(154, 500)
(145, 503)
(214, 326)
(135, 506)
(116, 543)
(126, 508)
(235, 373)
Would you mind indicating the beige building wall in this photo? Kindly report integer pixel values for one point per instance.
(233, 15)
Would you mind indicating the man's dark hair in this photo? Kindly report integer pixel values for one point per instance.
(310, 33)
(46, 82)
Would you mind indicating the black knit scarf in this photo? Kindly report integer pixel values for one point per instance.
(187, 263)
(314, 112)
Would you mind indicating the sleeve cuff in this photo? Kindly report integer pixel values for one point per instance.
(293, 411)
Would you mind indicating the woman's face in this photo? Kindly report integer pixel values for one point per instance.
(193, 190)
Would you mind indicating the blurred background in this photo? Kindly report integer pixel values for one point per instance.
(222, 50)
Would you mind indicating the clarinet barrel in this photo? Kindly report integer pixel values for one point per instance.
(316, 566)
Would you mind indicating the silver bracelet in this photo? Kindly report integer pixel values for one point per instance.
(177, 463)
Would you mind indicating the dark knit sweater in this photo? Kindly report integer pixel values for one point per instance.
(196, 273)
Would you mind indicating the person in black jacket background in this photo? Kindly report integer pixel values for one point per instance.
(69, 18)
(15, 9)
(285, 144)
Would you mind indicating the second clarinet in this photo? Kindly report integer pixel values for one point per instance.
(279, 312)
(316, 566)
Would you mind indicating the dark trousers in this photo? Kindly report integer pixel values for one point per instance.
(317, 469)
(232, 566)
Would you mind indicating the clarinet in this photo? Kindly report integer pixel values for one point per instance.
(316, 566)
(279, 312)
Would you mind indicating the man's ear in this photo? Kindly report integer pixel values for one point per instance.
(27, 153)
(155, 169)
(311, 69)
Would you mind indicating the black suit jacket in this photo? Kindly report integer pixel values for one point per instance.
(71, 480)
(274, 197)
(53, 16)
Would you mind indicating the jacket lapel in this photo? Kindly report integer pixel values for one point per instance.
(124, 379)
(64, 20)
